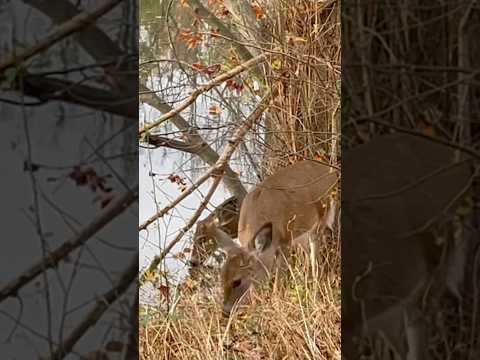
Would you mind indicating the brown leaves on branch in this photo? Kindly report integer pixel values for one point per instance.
(214, 110)
(207, 69)
(233, 85)
(177, 179)
(190, 38)
(97, 184)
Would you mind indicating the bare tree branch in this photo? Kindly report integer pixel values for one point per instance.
(66, 29)
(162, 141)
(103, 303)
(202, 149)
(158, 259)
(115, 208)
(204, 88)
(219, 166)
(55, 89)
(91, 38)
(215, 23)
(101, 48)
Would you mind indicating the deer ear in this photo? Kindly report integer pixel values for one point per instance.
(223, 240)
(263, 238)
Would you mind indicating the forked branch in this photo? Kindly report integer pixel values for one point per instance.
(215, 170)
(197, 144)
(103, 303)
(204, 88)
(115, 208)
(66, 29)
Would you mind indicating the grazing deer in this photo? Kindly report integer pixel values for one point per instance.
(226, 217)
(396, 189)
(281, 208)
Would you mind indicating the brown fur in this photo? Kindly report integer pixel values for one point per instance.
(282, 207)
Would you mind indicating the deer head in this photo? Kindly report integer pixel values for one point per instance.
(245, 267)
(280, 209)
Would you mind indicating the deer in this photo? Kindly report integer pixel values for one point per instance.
(395, 261)
(226, 217)
(279, 212)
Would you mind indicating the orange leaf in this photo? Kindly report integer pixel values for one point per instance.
(214, 110)
(258, 11)
(199, 66)
(190, 38)
(234, 85)
(320, 157)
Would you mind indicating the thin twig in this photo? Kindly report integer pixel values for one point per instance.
(66, 29)
(218, 167)
(158, 259)
(103, 303)
(204, 88)
(115, 208)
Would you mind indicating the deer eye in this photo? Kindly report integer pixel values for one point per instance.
(236, 283)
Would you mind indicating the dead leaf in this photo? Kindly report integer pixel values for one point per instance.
(292, 39)
(207, 70)
(222, 12)
(234, 85)
(164, 290)
(214, 110)
(213, 69)
(199, 66)
(258, 11)
(320, 157)
(190, 38)
(176, 179)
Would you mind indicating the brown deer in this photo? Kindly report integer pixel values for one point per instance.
(282, 207)
(225, 216)
(392, 261)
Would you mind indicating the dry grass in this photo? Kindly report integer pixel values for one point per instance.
(293, 317)
(304, 122)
